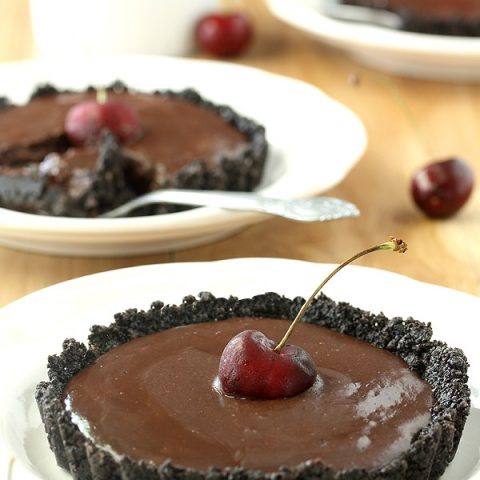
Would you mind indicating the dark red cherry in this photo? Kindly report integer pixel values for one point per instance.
(86, 120)
(441, 188)
(121, 119)
(250, 368)
(253, 366)
(224, 35)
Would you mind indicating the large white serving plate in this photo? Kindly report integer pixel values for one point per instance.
(435, 57)
(314, 141)
(34, 327)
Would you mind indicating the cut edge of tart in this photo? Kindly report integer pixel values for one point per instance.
(120, 174)
(432, 449)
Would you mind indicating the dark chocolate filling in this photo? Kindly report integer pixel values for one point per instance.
(154, 398)
(427, 456)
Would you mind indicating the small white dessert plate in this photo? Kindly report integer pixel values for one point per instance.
(435, 57)
(34, 327)
(314, 141)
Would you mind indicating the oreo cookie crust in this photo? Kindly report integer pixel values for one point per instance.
(455, 24)
(29, 184)
(432, 449)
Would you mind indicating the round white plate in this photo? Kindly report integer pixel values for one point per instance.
(33, 327)
(314, 141)
(435, 57)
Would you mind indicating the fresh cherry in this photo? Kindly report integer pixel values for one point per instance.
(253, 366)
(86, 120)
(224, 35)
(121, 119)
(441, 188)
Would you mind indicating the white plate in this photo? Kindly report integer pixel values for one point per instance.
(314, 142)
(33, 327)
(421, 55)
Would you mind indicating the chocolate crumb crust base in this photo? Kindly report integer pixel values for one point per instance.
(117, 176)
(432, 448)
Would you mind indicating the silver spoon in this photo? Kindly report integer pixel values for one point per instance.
(359, 14)
(314, 209)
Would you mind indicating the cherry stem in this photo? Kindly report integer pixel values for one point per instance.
(102, 95)
(394, 244)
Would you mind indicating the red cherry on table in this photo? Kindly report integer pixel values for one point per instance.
(250, 368)
(86, 120)
(224, 35)
(441, 188)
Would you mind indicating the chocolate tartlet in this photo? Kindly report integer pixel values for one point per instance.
(377, 370)
(444, 17)
(184, 141)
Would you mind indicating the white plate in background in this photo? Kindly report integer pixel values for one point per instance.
(34, 327)
(314, 141)
(435, 57)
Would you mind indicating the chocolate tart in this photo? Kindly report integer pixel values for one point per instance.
(443, 17)
(430, 449)
(184, 141)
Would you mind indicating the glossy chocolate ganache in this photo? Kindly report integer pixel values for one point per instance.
(142, 401)
(154, 398)
(182, 141)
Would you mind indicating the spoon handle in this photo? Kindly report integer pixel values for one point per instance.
(308, 209)
(359, 14)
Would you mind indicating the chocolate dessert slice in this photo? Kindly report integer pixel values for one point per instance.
(184, 141)
(141, 402)
(444, 17)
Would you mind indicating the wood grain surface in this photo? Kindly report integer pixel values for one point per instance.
(409, 122)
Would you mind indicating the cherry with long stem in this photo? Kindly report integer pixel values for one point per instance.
(394, 244)
(253, 366)
(85, 121)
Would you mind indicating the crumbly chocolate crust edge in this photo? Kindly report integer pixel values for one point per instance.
(454, 26)
(110, 180)
(431, 450)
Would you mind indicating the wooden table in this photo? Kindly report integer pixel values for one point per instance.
(409, 122)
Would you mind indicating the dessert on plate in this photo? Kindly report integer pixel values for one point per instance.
(445, 17)
(81, 153)
(144, 401)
